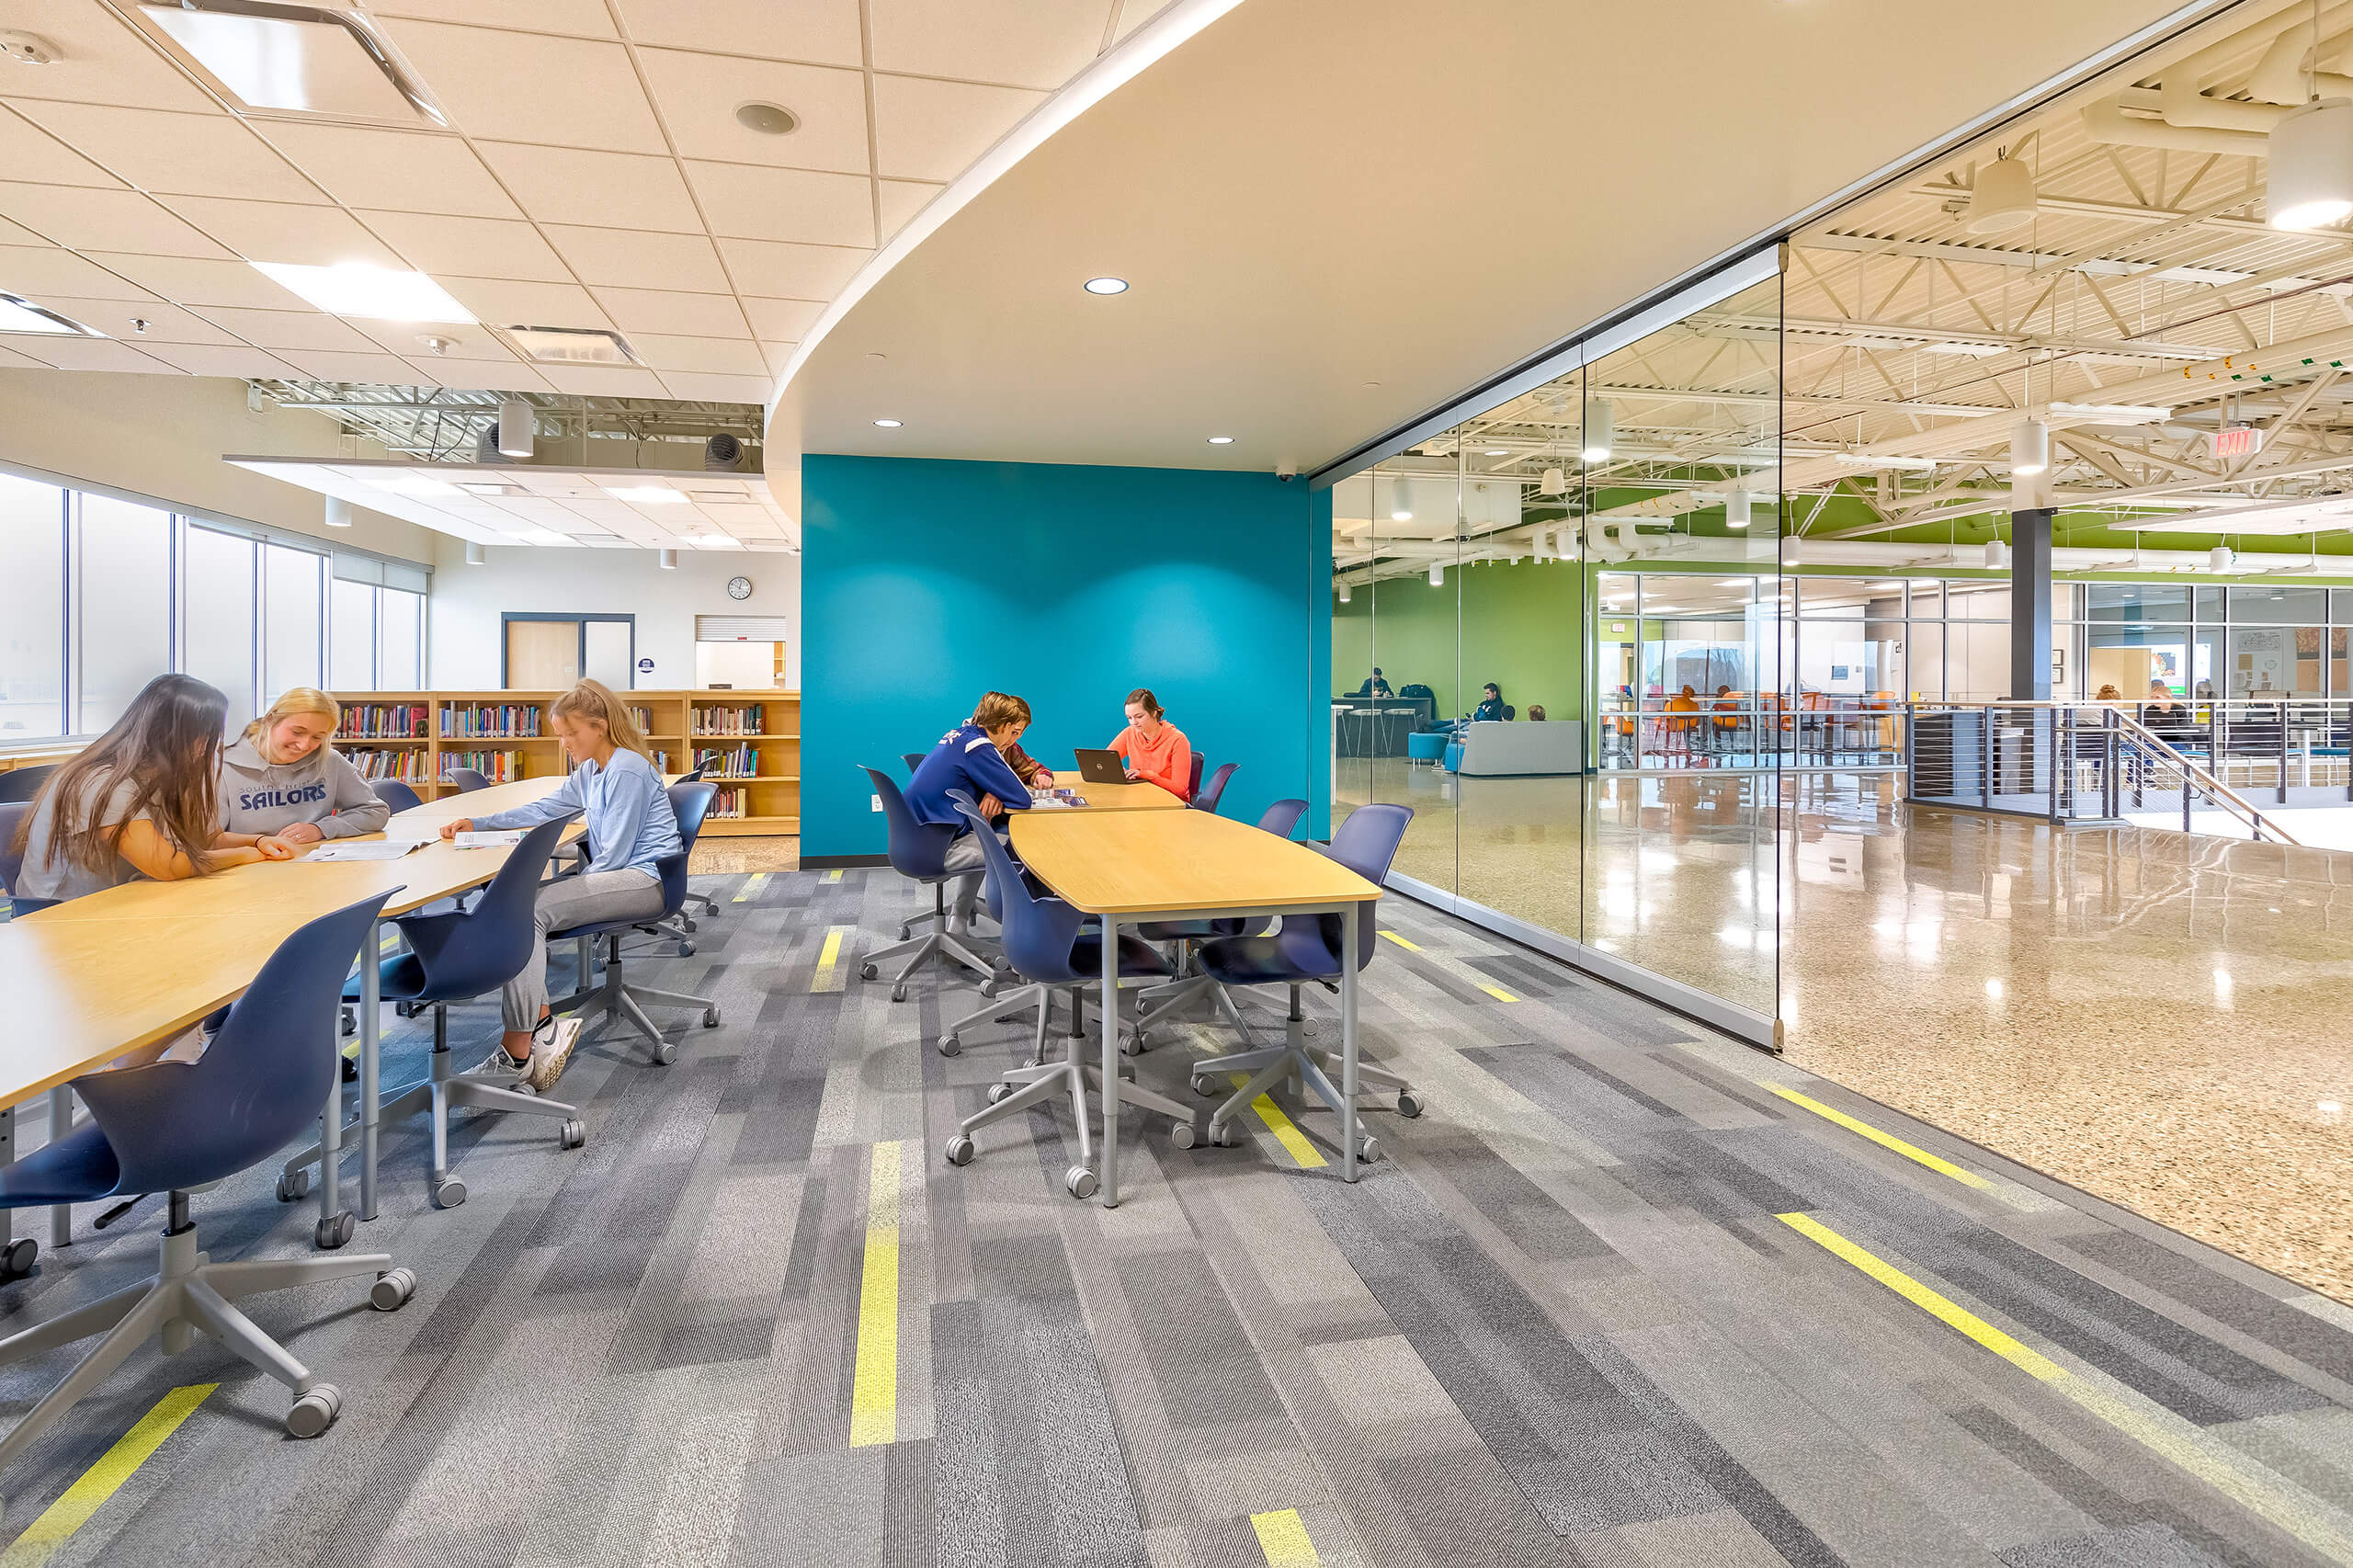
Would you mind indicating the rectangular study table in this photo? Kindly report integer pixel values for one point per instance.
(97, 976)
(1113, 797)
(1134, 867)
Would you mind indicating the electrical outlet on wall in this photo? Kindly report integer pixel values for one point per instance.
(875, 802)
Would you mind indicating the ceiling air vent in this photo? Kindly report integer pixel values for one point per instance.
(571, 345)
(270, 58)
(722, 454)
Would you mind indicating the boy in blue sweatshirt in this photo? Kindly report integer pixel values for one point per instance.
(971, 757)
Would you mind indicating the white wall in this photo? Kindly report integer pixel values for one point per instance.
(468, 601)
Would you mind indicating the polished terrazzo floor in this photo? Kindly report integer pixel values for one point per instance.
(2156, 1018)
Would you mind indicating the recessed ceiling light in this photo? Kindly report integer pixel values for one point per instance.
(416, 484)
(1496, 452)
(371, 293)
(23, 315)
(768, 120)
(889, 424)
(1221, 440)
(572, 345)
(1107, 285)
(492, 489)
(294, 59)
(646, 494)
(545, 537)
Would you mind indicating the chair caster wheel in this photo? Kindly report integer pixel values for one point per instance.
(350, 1023)
(314, 1412)
(999, 1091)
(1079, 1181)
(1223, 1136)
(16, 1259)
(1204, 1085)
(1139, 1042)
(907, 933)
(293, 1186)
(666, 1052)
(1369, 1149)
(1183, 1136)
(959, 1150)
(391, 1290)
(898, 994)
(449, 1191)
(350, 1071)
(865, 971)
(710, 1019)
(573, 1134)
(333, 1231)
(1408, 1106)
(686, 949)
(988, 990)
(949, 1045)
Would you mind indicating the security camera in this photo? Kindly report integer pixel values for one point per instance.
(1285, 471)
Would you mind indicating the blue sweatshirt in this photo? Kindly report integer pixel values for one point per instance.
(964, 759)
(630, 825)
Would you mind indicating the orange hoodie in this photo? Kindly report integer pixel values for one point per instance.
(1167, 762)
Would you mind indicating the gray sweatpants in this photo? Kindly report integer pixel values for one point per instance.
(965, 855)
(574, 901)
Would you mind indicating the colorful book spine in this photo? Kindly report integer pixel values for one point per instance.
(513, 720)
(746, 720)
(384, 721)
(738, 762)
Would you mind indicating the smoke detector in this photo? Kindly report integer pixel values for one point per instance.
(29, 49)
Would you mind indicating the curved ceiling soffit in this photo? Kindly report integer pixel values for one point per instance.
(1110, 71)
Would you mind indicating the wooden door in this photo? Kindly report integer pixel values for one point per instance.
(542, 655)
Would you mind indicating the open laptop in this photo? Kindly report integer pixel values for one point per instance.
(1101, 766)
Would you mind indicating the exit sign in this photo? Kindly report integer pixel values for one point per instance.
(2237, 441)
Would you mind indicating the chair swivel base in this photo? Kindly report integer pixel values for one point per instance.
(1072, 1078)
(1306, 1067)
(190, 1293)
(613, 997)
(446, 1091)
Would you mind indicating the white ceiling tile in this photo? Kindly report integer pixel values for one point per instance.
(481, 247)
(166, 323)
(279, 230)
(34, 155)
(12, 360)
(383, 370)
(401, 170)
(91, 354)
(1025, 44)
(697, 96)
(102, 60)
(18, 234)
(685, 316)
(310, 331)
(407, 339)
(749, 203)
(530, 88)
(926, 130)
(37, 270)
(208, 360)
(717, 389)
(779, 320)
(102, 220)
(776, 356)
(726, 355)
(596, 380)
(503, 303)
(608, 190)
(902, 200)
(790, 272)
(825, 31)
(475, 375)
(193, 281)
(574, 19)
(1134, 14)
(642, 259)
(187, 154)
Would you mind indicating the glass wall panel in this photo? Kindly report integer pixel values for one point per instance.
(400, 650)
(32, 634)
(123, 605)
(1416, 523)
(293, 604)
(217, 600)
(2281, 606)
(351, 661)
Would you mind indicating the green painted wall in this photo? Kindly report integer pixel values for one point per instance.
(1521, 627)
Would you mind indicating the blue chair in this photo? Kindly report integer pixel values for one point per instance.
(913, 760)
(709, 905)
(919, 853)
(1206, 798)
(613, 996)
(1046, 947)
(1426, 745)
(24, 783)
(1305, 948)
(176, 1126)
(395, 794)
(468, 780)
(1452, 755)
(457, 956)
(1156, 1004)
(1193, 784)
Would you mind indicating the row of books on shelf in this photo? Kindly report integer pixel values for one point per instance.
(729, 803)
(408, 767)
(644, 719)
(384, 720)
(519, 721)
(746, 720)
(498, 767)
(735, 762)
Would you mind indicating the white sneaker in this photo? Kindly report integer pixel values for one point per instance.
(498, 1065)
(551, 1053)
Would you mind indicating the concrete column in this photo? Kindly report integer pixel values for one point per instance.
(2030, 605)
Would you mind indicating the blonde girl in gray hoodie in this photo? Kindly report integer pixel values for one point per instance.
(283, 781)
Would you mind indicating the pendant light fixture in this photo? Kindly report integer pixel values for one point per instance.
(2220, 558)
(2310, 179)
(2030, 450)
(1600, 431)
(2004, 197)
(1997, 554)
(1437, 575)
(1401, 501)
(1737, 506)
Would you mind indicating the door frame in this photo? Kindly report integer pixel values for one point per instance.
(584, 618)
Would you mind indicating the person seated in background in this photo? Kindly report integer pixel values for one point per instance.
(1491, 702)
(1155, 750)
(1722, 730)
(971, 758)
(1376, 685)
(2109, 693)
(283, 778)
(2165, 715)
(1536, 712)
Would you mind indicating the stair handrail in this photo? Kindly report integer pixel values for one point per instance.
(2213, 788)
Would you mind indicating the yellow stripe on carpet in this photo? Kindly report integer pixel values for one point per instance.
(752, 885)
(103, 1479)
(1884, 1139)
(1283, 1538)
(874, 1394)
(1286, 1132)
(829, 973)
(1409, 947)
(1498, 992)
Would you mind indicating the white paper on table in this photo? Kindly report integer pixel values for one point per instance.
(336, 849)
(492, 840)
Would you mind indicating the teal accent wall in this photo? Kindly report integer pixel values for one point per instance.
(925, 583)
(1521, 627)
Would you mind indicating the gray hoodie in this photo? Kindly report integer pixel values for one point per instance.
(262, 797)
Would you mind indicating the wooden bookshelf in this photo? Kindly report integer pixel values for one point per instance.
(765, 802)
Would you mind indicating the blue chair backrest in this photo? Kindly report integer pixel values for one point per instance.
(1366, 844)
(175, 1125)
(913, 760)
(694, 777)
(1037, 932)
(12, 817)
(395, 794)
(466, 954)
(1193, 786)
(1281, 817)
(692, 804)
(468, 780)
(917, 849)
(24, 783)
(1206, 798)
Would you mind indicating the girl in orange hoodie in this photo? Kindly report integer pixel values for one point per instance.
(1155, 750)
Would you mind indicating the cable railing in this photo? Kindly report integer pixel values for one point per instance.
(1752, 729)
(2070, 762)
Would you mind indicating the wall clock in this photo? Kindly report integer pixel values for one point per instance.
(739, 587)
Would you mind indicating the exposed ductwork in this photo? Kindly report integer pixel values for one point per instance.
(2197, 107)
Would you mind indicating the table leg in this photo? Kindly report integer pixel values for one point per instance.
(371, 998)
(61, 1122)
(331, 1161)
(1110, 1062)
(1348, 936)
(9, 1258)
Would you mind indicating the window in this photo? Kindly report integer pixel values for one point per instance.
(32, 634)
(123, 609)
(217, 597)
(292, 606)
(400, 649)
(352, 664)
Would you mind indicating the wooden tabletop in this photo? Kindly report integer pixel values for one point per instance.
(1136, 862)
(1113, 797)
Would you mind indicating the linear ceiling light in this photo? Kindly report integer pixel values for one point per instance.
(2114, 413)
(371, 293)
(1882, 459)
(23, 315)
(646, 494)
(1972, 350)
(291, 59)
(416, 484)
(2310, 179)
